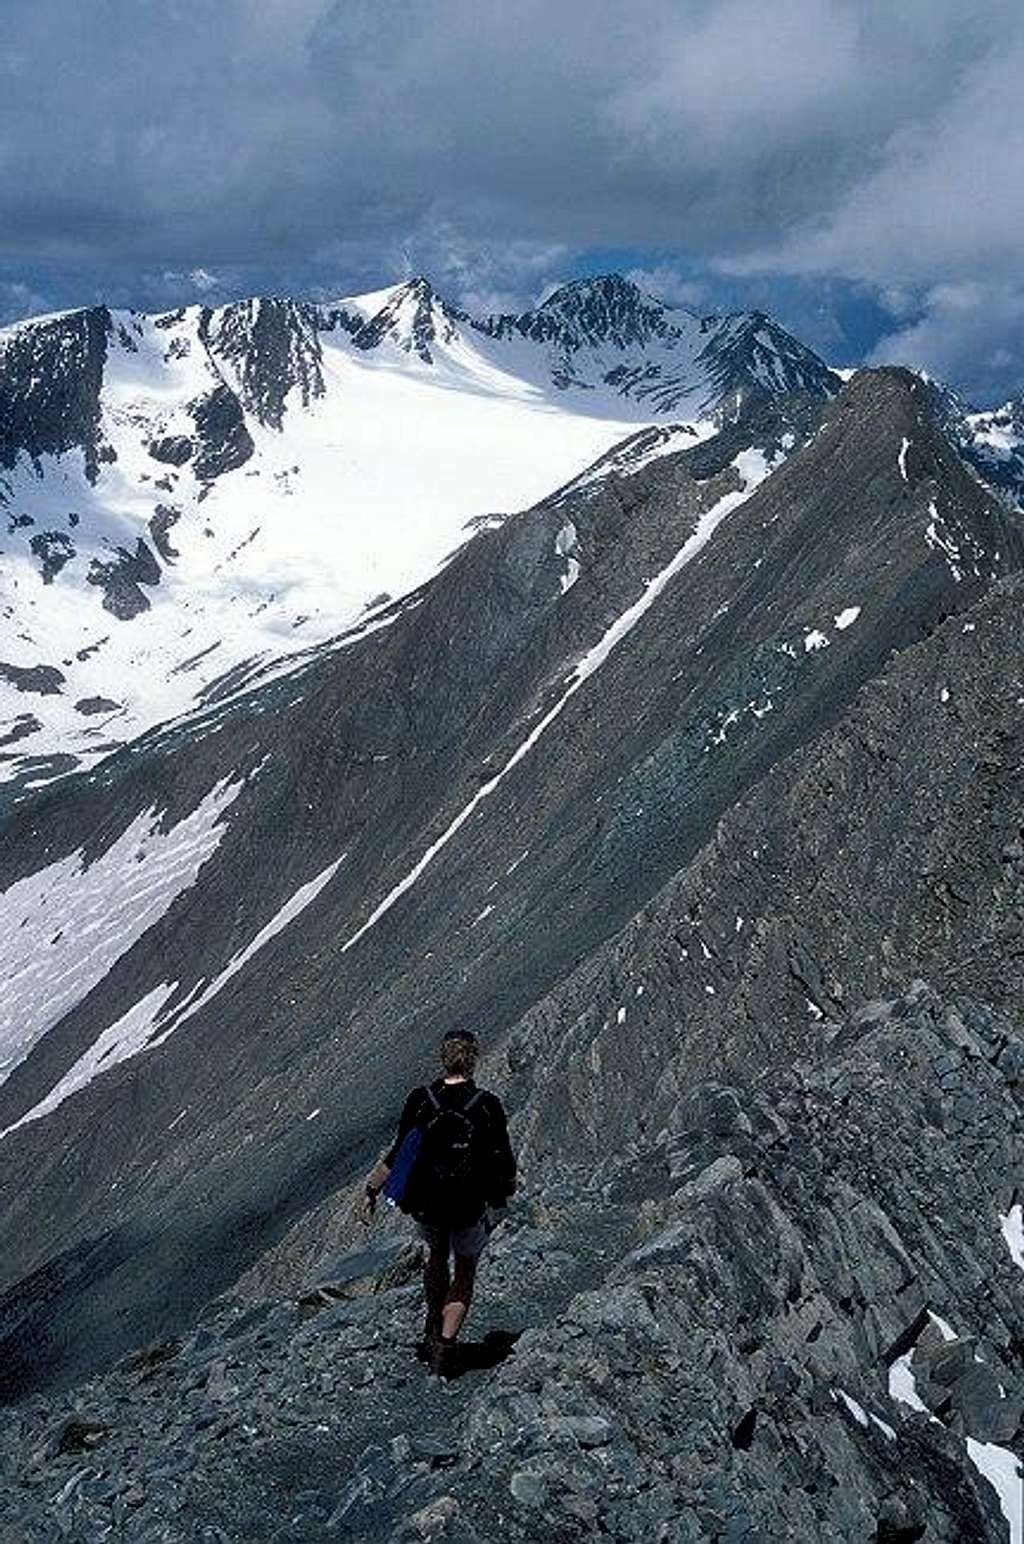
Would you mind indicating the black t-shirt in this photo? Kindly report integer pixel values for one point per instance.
(498, 1169)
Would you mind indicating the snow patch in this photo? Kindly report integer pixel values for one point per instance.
(566, 546)
(814, 640)
(142, 1026)
(944, 1328)
(902, 1385)
(63, 928)
(1013, 1232)
(865, 1418)
(998, 1465)
(903, 459)
(847, 618)
(1005, 1473)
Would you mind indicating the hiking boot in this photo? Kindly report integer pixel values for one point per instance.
(442, 1355)
(426, 1347)
(431, 1334)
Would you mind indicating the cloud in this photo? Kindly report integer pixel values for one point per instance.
(201, 280)
(667, 283)
(944, 197)
(720, 127)
(317, 140)
(970, 333)
(19, 300)
(483, 278)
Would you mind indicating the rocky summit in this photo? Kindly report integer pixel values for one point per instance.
(689, 777)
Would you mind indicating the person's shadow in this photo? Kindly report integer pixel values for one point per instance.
(480, 1355)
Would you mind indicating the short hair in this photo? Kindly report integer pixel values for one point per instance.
(459, 1051)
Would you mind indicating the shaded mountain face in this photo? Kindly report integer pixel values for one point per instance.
(188, 499)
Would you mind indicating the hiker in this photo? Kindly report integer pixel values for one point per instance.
(451, 1168)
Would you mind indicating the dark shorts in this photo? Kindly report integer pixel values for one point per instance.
(468, 1242)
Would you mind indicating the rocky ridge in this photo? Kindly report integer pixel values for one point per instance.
(713, 1336)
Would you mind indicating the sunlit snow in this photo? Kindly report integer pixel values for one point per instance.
(363, 492)
(63, 927)
(144, 1024)
(1005, 1473)
(1013, 1232)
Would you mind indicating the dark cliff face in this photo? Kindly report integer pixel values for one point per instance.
(553, 814)
(223, 440)
(752, 357)
(589, 312)
(273, 348)
(51, 377)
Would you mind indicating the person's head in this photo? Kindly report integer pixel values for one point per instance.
(459, 1051)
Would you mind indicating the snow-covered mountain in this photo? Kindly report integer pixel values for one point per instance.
(994, 442)
(189, 500)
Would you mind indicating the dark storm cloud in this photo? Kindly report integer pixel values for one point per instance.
(863, 140)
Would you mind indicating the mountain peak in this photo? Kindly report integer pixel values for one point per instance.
(599, 309)
(611, 288)
(418, 286)
(413, 316)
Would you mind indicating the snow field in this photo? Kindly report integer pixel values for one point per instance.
(144, 1025)
(365, 492)
(64, 927)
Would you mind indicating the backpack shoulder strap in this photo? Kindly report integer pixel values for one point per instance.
(432, 1099)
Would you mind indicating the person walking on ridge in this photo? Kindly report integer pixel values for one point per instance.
(451, 1167)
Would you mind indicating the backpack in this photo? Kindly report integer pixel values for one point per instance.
(447, 1165)
(396, 1187)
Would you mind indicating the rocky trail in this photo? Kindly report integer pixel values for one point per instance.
(796, 1312)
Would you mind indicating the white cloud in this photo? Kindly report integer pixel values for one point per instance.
(969, 332)
(19, 300)
(845, 139)
(201, 280)
(668, 284)
(941, 199)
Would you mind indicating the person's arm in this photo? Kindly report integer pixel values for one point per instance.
(378, 1175)
(503, 1171)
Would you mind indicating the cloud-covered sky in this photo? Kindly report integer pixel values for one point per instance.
(856, 166)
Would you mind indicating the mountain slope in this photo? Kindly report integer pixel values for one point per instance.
(435, 825)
